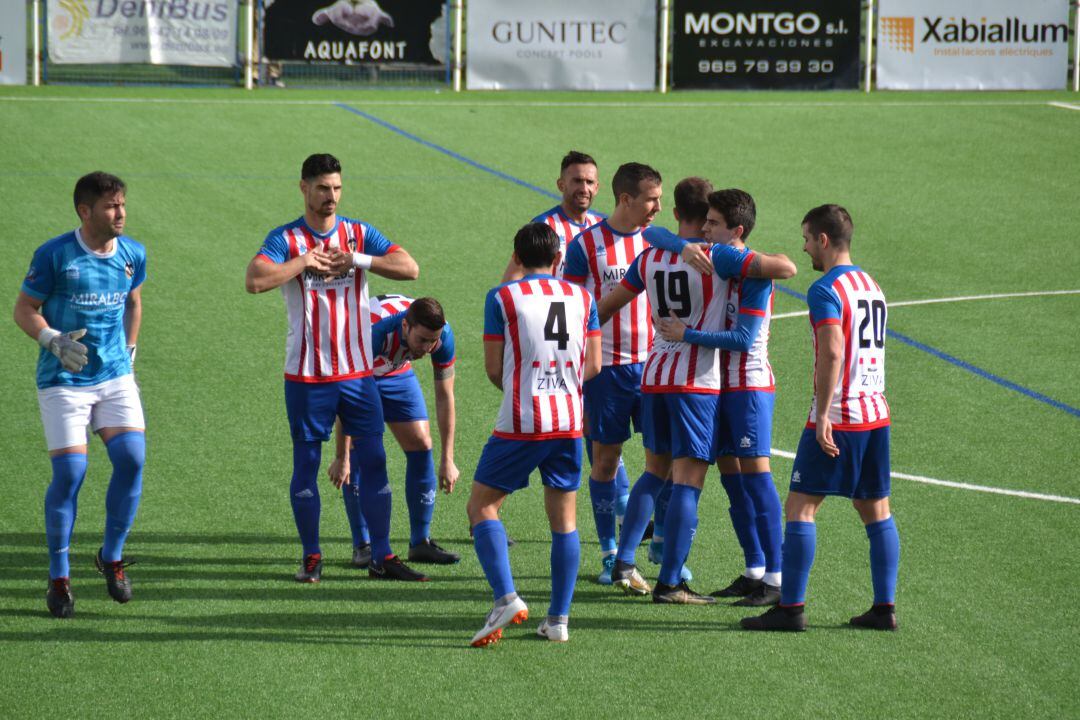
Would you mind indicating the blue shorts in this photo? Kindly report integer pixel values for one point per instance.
(679, 423)
(744, 424)
(402, 399)
(506, 464)
(860, 472)
(313, 407)
(613, 402)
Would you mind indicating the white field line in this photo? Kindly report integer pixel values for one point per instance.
(962, 298)
(1065, 106)
(964, 486)
(240, 101)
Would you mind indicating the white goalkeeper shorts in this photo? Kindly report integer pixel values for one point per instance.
(66, 410)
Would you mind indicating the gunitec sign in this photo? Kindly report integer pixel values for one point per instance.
(972, 44)
(561, 45)
(356, 31)
(159, 32)
(743, 44)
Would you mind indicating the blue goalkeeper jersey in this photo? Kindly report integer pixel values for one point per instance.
(83, 289)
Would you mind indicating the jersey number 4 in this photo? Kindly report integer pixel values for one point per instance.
(555, 328)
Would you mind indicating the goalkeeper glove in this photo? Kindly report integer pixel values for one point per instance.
(64, 346)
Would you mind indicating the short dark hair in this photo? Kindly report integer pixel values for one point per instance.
(427, 312)
(833, 220)
(319, 164)
(692, 198)
(536, 245)
(575, 157)
(94, 185)
(628, 179)
(737, 207)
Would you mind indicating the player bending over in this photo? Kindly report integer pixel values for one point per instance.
(404, 330)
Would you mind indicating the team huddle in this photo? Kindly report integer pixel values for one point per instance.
(601, 326)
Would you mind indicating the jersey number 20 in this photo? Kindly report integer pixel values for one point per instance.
(873, 316)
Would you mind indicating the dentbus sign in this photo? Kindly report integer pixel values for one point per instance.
(160, 32)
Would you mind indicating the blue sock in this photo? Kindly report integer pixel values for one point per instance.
(638, 510)
(799, 541)
(127, 451)
(884, 559)
(681, 524)
(419, 493)
(68, 472)
(742, 519)
(304, 493)
(369, 459)
(489, 539)
(769, 518)
(622, 491)
(660, 509)
(565, 558)
(353, 511)
(602, 495)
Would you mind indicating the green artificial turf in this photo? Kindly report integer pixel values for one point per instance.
(952, 194)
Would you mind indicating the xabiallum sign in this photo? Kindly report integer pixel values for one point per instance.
(972, 44)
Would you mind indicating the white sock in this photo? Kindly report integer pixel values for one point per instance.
(755, 573)
(772, 578)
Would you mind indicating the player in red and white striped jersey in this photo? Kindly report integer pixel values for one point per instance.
(681, 382)
(844, 449)
(744, 415)
(321, 261)
(578, 184)
(404, 330)
(541, 342)
(597, 259)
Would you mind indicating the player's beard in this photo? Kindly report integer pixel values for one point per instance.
(108, 229)
(326, 209)
(580, 203)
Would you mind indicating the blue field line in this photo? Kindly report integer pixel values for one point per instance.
(985, 375)
(446, 151)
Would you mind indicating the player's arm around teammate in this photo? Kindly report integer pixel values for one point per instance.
(86, 286)
(743, 428)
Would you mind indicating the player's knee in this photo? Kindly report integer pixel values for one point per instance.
(605, 465)
(368, 453)
(69, 470)
(127, 451)
(872, 510)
